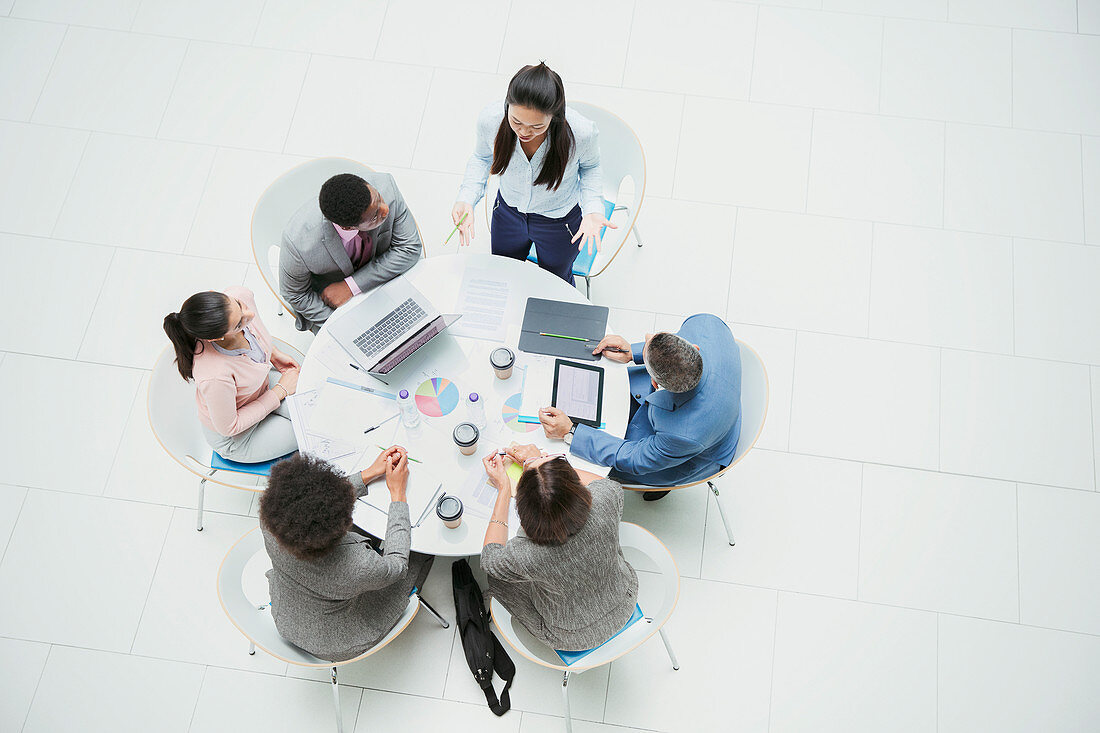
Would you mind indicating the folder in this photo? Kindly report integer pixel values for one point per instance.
(587, 322)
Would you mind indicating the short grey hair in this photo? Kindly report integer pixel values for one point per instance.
(673, 362)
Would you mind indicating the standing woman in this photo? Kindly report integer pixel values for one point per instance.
(240, 378)
(548, 160)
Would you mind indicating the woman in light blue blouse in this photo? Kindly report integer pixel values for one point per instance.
(548, 160)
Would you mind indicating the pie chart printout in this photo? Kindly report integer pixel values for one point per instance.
(437, 397)
(510, 414)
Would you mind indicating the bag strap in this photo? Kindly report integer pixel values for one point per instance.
(506, 670)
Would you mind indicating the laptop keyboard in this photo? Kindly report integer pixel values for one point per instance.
(390, 328)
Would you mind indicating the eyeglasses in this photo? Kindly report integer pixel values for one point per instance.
(548, 456)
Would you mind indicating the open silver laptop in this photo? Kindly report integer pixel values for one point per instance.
(389, 326)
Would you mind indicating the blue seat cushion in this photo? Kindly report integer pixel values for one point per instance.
(570, 657)
(583, 264)
(259, 469)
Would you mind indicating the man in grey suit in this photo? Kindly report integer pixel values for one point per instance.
(357, 235)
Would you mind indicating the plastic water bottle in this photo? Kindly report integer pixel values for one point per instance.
(410, 415)
(475, 410)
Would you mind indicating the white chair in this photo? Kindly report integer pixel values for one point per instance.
(621, 157)
(257, 625)
(170, 406)
(754, 410)
(664, 584)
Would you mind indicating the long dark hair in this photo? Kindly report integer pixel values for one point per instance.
(202, 316)
(551, 502)
(537, 87)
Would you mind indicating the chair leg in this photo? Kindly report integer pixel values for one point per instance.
(565, 695)
(721, 512)
(251, 648)
(336, 701)
(202, 497)
(668, 648)
(587, 286)
(442, 621)
(637, 234)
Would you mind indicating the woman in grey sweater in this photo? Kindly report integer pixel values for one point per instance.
(563, 576)
(332, 593)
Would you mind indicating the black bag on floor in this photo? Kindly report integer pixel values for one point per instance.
(484, 652)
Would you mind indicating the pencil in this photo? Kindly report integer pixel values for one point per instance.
(560, 336)
(382, 447)
(456, 227)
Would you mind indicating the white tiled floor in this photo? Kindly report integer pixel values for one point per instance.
(895, 202)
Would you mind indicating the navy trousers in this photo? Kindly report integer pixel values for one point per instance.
(513, 233)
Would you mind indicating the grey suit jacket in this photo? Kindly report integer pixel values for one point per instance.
(573, 596)
(341, 605)
(313, 255)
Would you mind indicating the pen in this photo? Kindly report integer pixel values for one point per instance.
(361, 388)
(560, 336)
(456, 227)
(406, 455)
(375, 427)
(354, 366)
(616, 349)
(428, 506)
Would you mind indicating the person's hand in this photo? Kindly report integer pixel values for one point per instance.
(555, 423)
(397, 474)
(497, 472)
(336, 294)
(282, 362)
(377, 468)
(289, 380)
(608, 344)
(466, 228)
(589, 231)
(520, 453)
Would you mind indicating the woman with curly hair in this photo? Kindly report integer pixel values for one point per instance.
(563, 576)
(332, 593)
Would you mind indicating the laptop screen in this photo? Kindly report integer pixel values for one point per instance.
(426, 334)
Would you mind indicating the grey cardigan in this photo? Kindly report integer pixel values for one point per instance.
(341, 605)
(573, 596)
(312, 255)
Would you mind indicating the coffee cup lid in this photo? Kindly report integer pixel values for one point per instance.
(465, 434)
(449, 507)
(502, 358)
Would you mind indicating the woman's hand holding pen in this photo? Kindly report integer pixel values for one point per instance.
(589, 233)
(466, 228)
(497, 472)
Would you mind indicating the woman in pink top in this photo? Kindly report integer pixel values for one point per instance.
(240, 378)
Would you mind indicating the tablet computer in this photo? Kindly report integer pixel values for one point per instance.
(578, 391)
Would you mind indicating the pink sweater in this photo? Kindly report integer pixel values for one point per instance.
(231, 391)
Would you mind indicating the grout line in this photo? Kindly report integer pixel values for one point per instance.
(172, 89)
(450, 653)
(195, 707)
(859, 530)
(1095, 419)
(152, 579)
(729, 278)
(504, 38)
(755, 45)
(939, 409)
(1012, 77)
(870, 280)
(790, 407)
(423, 117)
(259, 21)
(679, 138)
(118, 448)
(37, 686)
(202, 195)
(49, 73)
(297, 104)
(69, 188)
(943, 182)
(1018, 591)
(881, 62)
(809, 165)
(128, 248)
(937, 673)
(626, 55)
(771, 682)
(91, 311)
(1084, 201)
(1012, 258)
(18, 513)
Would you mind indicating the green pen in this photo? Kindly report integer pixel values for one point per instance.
(456, 227)
(406, 455)
(560, 336)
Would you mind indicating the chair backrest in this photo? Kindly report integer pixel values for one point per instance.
(665, 584)
(257, 624)
(280, 201)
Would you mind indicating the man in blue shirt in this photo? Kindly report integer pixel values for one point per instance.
(685, 407)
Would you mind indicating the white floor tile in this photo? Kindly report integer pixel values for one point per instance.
(102, 691)
(280, 327)
(715, 626)
(110, 81)
(942, 288)
(1054, 85)
(222, 226)
(247, 702)
(992, 186)
(776, 349)
(183, 619)
(1016, 419)
(534, 723)
(638, 273)
(11, 501)
(387, 711)
(845, 666)
(61, 407)
(797, 271)
(1057, 303)
(130, 212)
(1058, 568)
(796, 523)
(99, 560)
(292, 25)
(426, 32)
(430, 196)
(1090, 150)
(21, 664)
(814, 59)
(27, 51)
(879, 168)
(60, 320)
(744, 154)
(632, 324)
(355, 129)
(1088, 16)
(718, 52)
(678, 519)
(147, 286)
(39, 162)
(947, 71)
(1051, 15)
(236, 96)
(846, 390)
(118, 14)
(926, 9)
(446, 140)
(939, 542)
(207, 20)
(1004, 677)
(556, 39)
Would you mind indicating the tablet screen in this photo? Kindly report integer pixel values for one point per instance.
(578, 391)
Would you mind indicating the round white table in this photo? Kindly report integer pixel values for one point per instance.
(464, 362)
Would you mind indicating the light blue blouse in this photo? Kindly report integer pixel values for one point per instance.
(581, 184)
